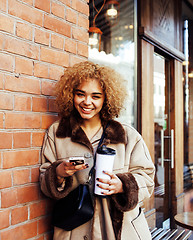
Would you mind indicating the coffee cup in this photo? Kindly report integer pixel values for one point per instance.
(104, 162)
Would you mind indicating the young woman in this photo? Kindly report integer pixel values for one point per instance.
(89, 96)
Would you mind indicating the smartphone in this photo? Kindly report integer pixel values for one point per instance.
(77, 160)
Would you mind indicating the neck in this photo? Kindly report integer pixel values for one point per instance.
(91, 126)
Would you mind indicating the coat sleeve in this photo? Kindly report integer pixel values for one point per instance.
(48, 178)
(138, 182)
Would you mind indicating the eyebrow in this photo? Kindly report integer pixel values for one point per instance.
(78, 90)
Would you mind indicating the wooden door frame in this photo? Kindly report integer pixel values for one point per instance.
(146, 116)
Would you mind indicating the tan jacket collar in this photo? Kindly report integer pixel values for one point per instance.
(70, 127)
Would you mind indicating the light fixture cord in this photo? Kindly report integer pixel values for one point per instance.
(98, 11)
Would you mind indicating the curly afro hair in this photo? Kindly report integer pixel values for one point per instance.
(111, 83)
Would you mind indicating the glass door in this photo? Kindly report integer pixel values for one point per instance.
(163, 140)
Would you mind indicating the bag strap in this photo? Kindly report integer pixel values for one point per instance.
(99, 144)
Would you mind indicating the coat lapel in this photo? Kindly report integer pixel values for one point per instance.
(70, 127)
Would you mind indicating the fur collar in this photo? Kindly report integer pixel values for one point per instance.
(70, 127)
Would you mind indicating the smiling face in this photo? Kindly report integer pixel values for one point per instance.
(88, 99)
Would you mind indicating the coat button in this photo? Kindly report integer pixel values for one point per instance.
(87, 155)
(85, 237)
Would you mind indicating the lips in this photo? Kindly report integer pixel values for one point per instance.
(86, 110)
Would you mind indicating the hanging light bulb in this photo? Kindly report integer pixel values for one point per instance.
(112, 10)
(95, 37)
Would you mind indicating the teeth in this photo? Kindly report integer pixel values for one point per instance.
(86, 109)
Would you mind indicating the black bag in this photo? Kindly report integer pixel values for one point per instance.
(73, 210)
(77, 207)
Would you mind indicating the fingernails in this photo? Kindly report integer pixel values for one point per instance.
(86, 165)
(97, 185)
(97, 179)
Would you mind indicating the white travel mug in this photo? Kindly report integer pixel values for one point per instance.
(104, 162)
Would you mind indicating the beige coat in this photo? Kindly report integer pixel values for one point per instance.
(133, 165)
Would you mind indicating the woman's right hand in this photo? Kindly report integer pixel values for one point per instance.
(67, 169)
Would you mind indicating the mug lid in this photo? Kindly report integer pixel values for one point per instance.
(106, 150)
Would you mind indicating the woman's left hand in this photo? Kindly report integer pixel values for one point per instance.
(112, 186)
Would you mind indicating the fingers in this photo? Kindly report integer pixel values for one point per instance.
(66, 169)
(110, 186)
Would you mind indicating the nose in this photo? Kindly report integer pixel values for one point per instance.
(87, 100)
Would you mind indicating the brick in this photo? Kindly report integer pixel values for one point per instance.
(38, 209)
(3, 5)
(22, 232)
(42, 238)
(6, 24)
(21, 47)
(20, 158)
(22, 84)
(57, 42)
(70, 45)
(6, 180)
(30, 2)
(6, 101)
(66, 2)
(35, 172)
(44, 225)
(28, 194)
(48, 88)
(56, 72)
(24, 66)
(53, 56)
(6, 62)
(8, 198)
(75, 59)
(82, 50)
(57, 25)
(22, 103)
(47, 120)
(5, 140)
(40, 70)
(18, 120)
(19, 214)
(83, 21)
(71, 16)
(52, 106)
(43, 5)
(1, 120)
(82, 7)
(80, 35)
(39, 104)
(21, 176)
(2, 40)
(24, 30)
(4, 219)
(37, 139)
(21, 139)
(42, 37)
(58, 10)
(1, 80)
(25, 12)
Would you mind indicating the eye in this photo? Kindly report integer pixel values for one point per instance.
(96, 97)
(80, 94)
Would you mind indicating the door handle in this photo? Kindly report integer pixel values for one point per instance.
(171, 146)
(162, 148)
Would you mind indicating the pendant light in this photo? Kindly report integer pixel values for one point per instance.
(112, 11)
(95, 32)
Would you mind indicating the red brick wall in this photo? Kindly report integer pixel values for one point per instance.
(38, 39)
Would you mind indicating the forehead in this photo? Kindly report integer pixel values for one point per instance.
(90, 84)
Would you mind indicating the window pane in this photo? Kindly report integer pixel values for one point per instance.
(117, 48)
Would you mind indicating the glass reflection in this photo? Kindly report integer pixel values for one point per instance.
(117, 49)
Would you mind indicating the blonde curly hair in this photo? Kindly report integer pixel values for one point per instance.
(111, 83)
